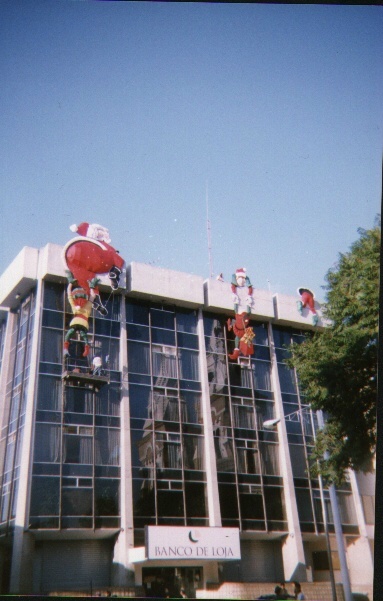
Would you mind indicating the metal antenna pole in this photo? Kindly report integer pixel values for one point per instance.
(209, 232)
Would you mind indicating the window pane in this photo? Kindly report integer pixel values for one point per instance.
(75, 501)
(162, 319)
(49, 393)
(228, 500)
(189, 366)
(45, 496)
(106, 496)
(51, 347)
(194, 458)
(187, 321)
(137, 314)
(138, 358)
(261, 371)
(107, 446)
(196, 501)
(47, 443)
(270, 458)
(170, 503)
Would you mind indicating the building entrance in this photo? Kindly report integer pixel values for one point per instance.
(168, 582)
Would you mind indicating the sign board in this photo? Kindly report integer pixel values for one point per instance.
(185, 542)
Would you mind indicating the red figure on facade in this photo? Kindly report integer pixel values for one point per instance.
(89, 255)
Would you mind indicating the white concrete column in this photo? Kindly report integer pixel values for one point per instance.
(210, 463)
(359, 553)
(294, 562)
(122, 569)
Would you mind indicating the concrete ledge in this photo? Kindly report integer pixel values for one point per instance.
(218, 297)
(19, 277)
(157, 284)
(286, 313)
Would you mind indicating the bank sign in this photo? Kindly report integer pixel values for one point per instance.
(179, 542)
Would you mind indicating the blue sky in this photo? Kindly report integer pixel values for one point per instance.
(125, 113)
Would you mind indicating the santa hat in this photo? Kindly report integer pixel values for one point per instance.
(241, 272)
(81, 229)
(302, 290)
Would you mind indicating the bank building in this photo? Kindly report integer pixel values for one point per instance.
(172, 463)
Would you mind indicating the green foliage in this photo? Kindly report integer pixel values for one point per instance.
(337, 367)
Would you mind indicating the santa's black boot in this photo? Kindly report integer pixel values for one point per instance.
(97, 304)
(114, 276)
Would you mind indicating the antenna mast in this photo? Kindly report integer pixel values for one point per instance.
(209, 232)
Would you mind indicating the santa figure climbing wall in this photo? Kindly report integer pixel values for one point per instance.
(242, 290)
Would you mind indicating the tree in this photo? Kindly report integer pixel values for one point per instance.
(337, 367)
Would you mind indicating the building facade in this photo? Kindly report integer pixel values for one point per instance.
(172, 434)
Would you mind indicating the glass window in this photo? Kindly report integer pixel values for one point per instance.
(162, 319)
(194, 456)
(252, 506)
(274, 502)
(187, 340)
(49, 393)
(304, 505)
(140, 333)
(48, 442)
(137, 313)
(140, 402)
(228, 500)
(187, 321)
(107, 446)
(170, 503)
(281, 336)
(191, 410)
(216, 368)
(270, 458)
(243, 417)
(168, 452)
(261, 334)
(138, 358)
(166, 337)
(287, 379)
(261, 371)
(54, 296)
(53, 319)
(189, 365)
(77, 449)
(298, 461)
(76, 501)
(51, 347)
(143, 498)
(248, 457)
(196, 501)
(164, 361)
(165, 407)
(45, 496)
(78, 400)
(106, 496)
(214, 327)
(224, 452)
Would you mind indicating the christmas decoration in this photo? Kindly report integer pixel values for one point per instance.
(81, 306)
(307, 300)
(89, 255)
(242, 290)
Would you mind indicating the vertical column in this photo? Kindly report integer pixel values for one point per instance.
(211, 466)
(5, 376)
(23, 542)
(359, 552)
(292, 549)
(123, 570)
